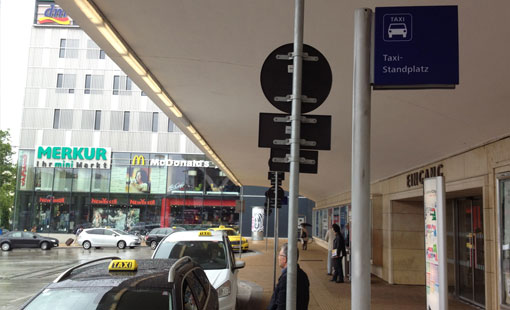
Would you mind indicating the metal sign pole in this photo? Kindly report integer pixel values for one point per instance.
(267, 220)
(275, 262)
(241, 225)
(294, 154)
(360, 174)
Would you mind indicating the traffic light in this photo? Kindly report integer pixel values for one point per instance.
(270, 193)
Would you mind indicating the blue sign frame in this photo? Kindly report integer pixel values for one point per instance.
(416, 47)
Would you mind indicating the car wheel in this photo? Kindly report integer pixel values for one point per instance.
(86, 245)
(121, 244)
(154, 244)
(44, 246)
(6, 246)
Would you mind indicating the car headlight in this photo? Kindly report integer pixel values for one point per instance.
(224, 289)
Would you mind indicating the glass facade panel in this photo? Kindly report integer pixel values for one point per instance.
(183, 177)
(120, 173)
(63, 179)
(100, 180)
(158, 174)
(26, 170)
(505, 240)
(43, 179)
(81, 180)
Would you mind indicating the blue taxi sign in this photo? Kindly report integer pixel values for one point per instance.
(416, 47)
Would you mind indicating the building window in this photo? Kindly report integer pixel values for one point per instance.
(128, 83)
(171, 126)
(68, 48)
(97, 122)
(125, 126)
(116, 82)
(93, 51)
(62, 51)
(155, 122)
(88, 77)
(504, 246)
(65, 82)
(56, 119)
(143, 93)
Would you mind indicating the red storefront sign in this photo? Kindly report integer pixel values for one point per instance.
(140, 202)
(103, 201)
(54, 200)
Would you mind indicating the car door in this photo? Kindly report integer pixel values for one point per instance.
(16, 239)
(110, 238)
(96, 237)
(233, 270)
(30, 240)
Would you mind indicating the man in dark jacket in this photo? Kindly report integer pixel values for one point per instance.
(339, 246)
(279, 298)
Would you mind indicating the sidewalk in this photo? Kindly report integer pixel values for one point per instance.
(325, 294)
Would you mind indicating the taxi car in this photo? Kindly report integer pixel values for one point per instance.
(113, 283)
(212, 251)
(157, 234)
(233, 236)
(107, 237)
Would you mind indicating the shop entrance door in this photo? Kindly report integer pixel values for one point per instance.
(470, 260)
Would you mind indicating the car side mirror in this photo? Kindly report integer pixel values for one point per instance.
(35, 237)
(239, 264)
(115, 235)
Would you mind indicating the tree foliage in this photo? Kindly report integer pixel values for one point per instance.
(7, 178)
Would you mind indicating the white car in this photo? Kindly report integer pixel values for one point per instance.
(213, 252)
(107, 237)
(397, 29)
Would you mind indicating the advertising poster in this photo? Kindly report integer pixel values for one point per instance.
(435, 247)
(139, 180)
(158, 180)
(119, 179)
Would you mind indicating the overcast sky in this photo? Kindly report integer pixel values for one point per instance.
(16, 17)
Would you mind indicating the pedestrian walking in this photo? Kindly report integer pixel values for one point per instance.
(330, 237)
(337, 255)
(279, 298)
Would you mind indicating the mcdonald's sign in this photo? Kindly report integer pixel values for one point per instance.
(138, 160)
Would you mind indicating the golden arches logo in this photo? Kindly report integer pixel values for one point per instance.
(138, 160)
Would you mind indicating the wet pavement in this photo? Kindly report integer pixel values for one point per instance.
(24, 272)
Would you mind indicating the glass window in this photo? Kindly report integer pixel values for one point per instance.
(66, 82)
(100, 180)
(128, 83)
(87, 84)
(155, 122)
(97, 121)
(43, 179)
(87, 119)
(56, 119)
(116, 84)
(158, 174)
(170, 125)
(208, 254)
(60, 80)
(505, 240)
(63, 180)
(102, 54)
(143, 93)
(62, 51)
(184, 175)
(81, 180)
(125, 126)
(120, 173)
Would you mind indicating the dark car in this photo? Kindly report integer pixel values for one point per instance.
(142, 229)
(112, 283)
(157, 234)
(25, 239)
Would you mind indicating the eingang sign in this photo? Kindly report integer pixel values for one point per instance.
(72, 157)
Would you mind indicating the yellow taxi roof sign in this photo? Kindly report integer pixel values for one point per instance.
(222, 226)
(123, 265)
(204, 233)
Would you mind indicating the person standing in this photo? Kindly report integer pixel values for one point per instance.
(304, 237)
(330, 237)
(279, 297)
(337, 255)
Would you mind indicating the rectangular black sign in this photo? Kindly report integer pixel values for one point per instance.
(270, 130)
(303, 168)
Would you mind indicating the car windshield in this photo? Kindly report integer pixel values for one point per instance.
(101, 298)
(230, 232)
(208, 254)
(397, 26)
(120, 232)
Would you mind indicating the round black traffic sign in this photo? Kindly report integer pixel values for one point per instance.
(276, 78)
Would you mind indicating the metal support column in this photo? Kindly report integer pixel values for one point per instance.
(361, 110)
(294, 154)
(276, 234)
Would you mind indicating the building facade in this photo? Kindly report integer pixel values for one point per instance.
(477, 224)
(94, 149)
